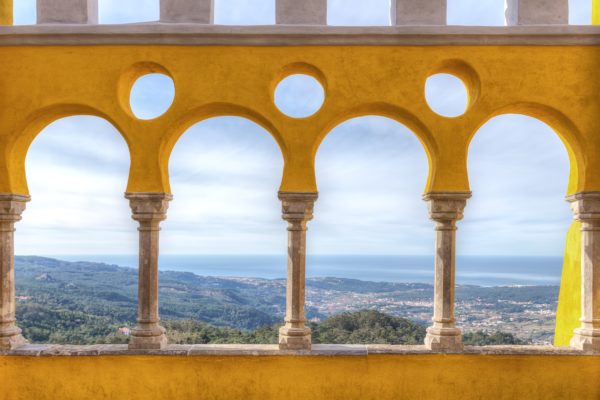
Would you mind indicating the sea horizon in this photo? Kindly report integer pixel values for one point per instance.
(470, 270)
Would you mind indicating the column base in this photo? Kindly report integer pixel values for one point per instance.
(148, 339)
(446, 340)
(586, 340)
(294, 338)
(12, 342)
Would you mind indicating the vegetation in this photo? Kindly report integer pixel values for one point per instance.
(87, 303)
(481, 338)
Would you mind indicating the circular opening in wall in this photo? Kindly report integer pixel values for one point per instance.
(151, 96)
(446, 95)
(299, 96)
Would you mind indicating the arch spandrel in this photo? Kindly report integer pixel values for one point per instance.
(380, 80)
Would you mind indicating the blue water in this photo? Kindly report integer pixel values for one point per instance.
(471, 270)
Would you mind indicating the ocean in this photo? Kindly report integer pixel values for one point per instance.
(470, 270)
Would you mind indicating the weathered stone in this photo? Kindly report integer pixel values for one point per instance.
(537, 12)
(11, 208)
(67, 11)
(418, 12)
(297, 211)
(149, 209)
(586, 208)
(305, 12)
(445, 209)
(193, 11)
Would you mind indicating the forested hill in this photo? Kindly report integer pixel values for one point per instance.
(84, 302)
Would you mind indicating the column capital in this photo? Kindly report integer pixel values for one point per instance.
(446, 206)
(585, 206)
(298, 206)
(149, 207)
(12, 206)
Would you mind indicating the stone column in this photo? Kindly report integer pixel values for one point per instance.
(445, 209)
(190, 11)
(11, 208)
(418, 12)
(67, 11)
(537, 12)
(297, 211)
(301, 12)
(586, 208)
(149, 209)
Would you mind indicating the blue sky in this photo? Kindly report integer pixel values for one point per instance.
(225, 172)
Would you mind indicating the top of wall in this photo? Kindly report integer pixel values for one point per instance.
(157, 33)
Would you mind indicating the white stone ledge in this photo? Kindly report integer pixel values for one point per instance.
(294, 35)
(323, 350)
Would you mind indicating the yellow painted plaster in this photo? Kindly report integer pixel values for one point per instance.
(557, 85)
(6, 12)
(382, 377)
(596, 12)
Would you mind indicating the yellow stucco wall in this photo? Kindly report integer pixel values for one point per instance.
(555, 84)
(382, 377)
(6, 12)
(596, 12)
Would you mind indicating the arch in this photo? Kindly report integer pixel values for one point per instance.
(217, 154)
(516, 213)
(76, 169)
(564, 128)
(208, 111)
(398, 114)
(36, 122)
(370, 222)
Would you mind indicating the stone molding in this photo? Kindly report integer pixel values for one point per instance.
(585, 206)
(297, 207)
(258, 350)
(12, 206)
(149, 207)
(446, 207)
(296, 35)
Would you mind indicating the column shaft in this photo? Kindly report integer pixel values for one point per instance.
(149, 209)
(445, 209)
(297, 211)
(11, 208)
(586, 208)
